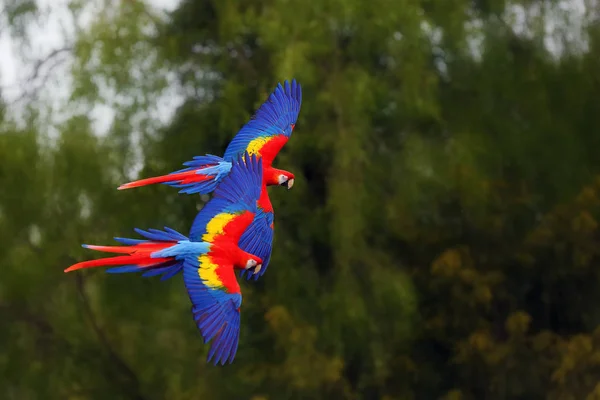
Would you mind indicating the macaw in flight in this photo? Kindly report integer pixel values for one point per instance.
(264, 135)
(208, 257)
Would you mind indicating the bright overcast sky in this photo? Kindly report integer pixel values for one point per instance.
(45, 38)
(50, 36)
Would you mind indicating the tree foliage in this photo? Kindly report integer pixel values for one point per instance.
(441, 240)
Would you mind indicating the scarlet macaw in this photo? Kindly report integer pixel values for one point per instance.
(208, 257)
(264, 135)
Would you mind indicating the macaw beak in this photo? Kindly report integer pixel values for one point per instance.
(257, 268)
(290, 183)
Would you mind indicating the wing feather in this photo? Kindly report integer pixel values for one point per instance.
(274, 117)
(258, 240)
(238, 192)
(216, 312)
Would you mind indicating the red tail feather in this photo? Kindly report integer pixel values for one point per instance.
(139, 254)
(179, 178)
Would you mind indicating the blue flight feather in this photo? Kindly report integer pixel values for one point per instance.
(275, 116)
(202, 165)
(258, 240)
(216, 313)
(129, 242)
(237, 192)
(157, 235)
(244, 182)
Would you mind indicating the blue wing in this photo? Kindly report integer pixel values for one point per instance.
(238, 191)
(244, 182)
(258, 240)
(216, 312)
(274, 117)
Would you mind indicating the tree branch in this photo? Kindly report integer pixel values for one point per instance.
(49, 338)
(35, 75)
(114, 357)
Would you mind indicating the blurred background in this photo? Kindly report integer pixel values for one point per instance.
(441, 240)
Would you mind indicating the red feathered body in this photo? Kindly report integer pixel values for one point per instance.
(271, 147)
(264, 202)
(223, 231)
(268, 151)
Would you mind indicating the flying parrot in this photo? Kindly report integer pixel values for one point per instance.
(264, 135)
(207, 258)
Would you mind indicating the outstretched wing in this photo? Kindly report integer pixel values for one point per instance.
(271, 126)
(237, 193)
(216, 300)
(209, 278)
(257, 239)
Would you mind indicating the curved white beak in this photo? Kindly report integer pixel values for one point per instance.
(290, 183)
(257, 269)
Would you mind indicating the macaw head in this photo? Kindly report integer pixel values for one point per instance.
(279, 177)
(253, 262)
(286, 179)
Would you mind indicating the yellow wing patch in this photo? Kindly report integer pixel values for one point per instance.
(215, 226)
(257, 144)
(207, 271)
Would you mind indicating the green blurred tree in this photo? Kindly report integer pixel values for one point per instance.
(441, 240)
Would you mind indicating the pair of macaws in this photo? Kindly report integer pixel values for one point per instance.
(234, 230)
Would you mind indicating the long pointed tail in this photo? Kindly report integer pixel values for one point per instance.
(202, 176)
(151, 256)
